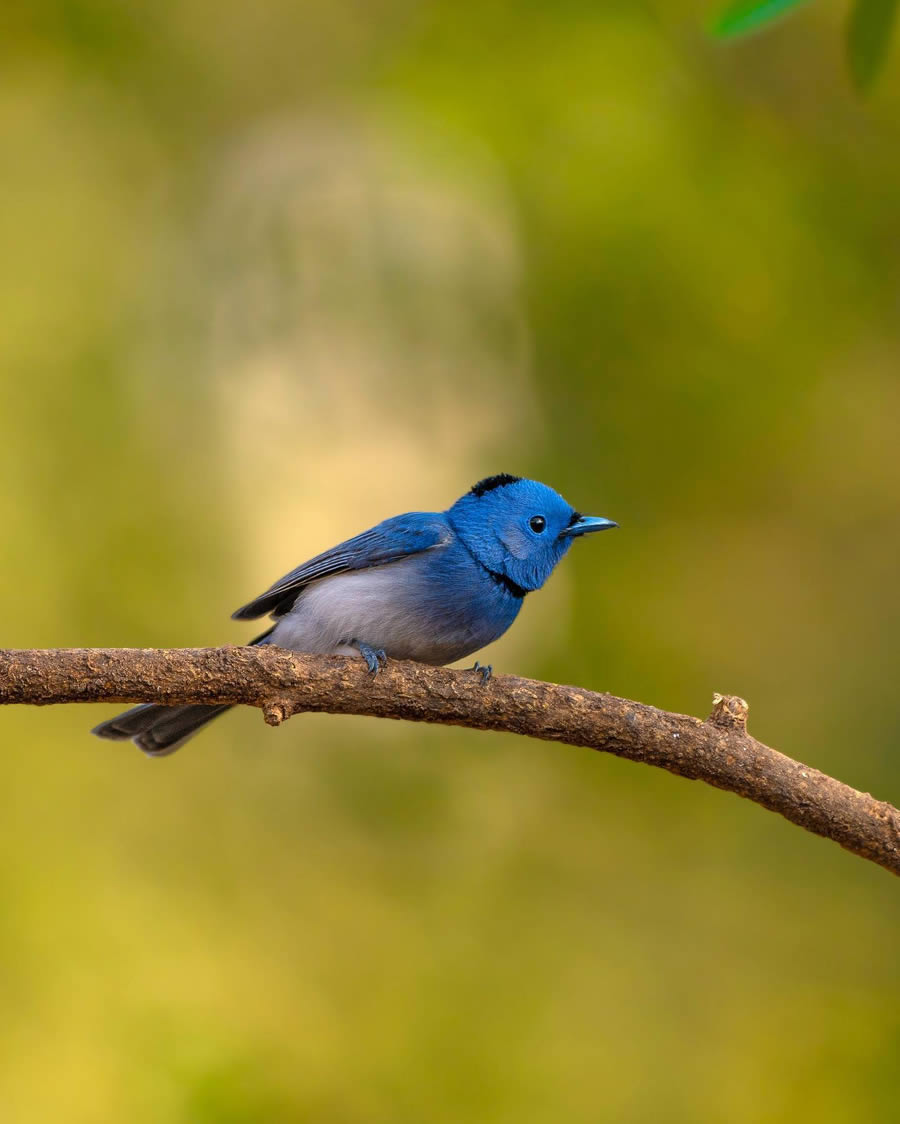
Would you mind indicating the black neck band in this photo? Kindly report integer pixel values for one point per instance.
(508, 584)
(511, 587)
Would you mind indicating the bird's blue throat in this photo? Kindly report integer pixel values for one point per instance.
(503, 580)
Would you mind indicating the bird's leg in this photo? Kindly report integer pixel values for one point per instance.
(375, 657)
(485, 669)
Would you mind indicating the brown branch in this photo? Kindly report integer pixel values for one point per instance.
(718, 751)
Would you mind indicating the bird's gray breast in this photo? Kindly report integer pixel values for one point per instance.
(434, 607)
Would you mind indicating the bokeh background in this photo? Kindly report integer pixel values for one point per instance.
(272, 272)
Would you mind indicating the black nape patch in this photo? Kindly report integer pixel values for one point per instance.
(489, 483)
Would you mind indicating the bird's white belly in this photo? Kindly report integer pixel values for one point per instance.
(375, 607)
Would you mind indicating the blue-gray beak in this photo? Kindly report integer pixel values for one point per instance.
(587, 524)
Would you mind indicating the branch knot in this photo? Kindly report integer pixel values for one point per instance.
(729, 712)
(275, 711)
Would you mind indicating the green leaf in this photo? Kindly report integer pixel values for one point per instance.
(868, 38)
(745, 16)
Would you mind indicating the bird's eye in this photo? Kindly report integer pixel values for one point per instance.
(537, 523)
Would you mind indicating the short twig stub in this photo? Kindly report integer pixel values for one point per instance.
(729, 712)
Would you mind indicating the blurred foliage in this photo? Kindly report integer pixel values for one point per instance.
(273, 272)
(867, 36)
(745, 16)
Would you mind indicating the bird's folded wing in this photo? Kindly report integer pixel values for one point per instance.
(390, 541)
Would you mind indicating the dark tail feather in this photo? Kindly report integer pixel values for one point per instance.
(160, 730)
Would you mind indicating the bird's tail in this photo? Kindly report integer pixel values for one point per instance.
(160, 730)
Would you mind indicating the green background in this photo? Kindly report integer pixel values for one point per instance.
(272, 272)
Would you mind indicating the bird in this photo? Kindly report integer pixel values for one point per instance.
(434, 587)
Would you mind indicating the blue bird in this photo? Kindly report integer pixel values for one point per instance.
(428, 586)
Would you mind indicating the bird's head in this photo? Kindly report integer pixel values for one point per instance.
(519, 528)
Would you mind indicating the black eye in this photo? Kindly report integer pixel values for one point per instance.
(537, 523)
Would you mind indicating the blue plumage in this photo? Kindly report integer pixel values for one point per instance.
(433, 587)
(390, 541)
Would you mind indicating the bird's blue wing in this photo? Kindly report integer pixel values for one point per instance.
(390, 541)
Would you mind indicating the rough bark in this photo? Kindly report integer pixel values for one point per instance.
(718, 750)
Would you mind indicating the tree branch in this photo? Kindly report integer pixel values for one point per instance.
(718, 751)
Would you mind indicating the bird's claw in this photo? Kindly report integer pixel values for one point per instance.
(485, 668)
(375, 658)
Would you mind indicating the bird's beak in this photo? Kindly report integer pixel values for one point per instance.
(586, 525)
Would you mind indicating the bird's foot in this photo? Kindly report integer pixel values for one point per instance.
(485, 668)
(375, 658)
